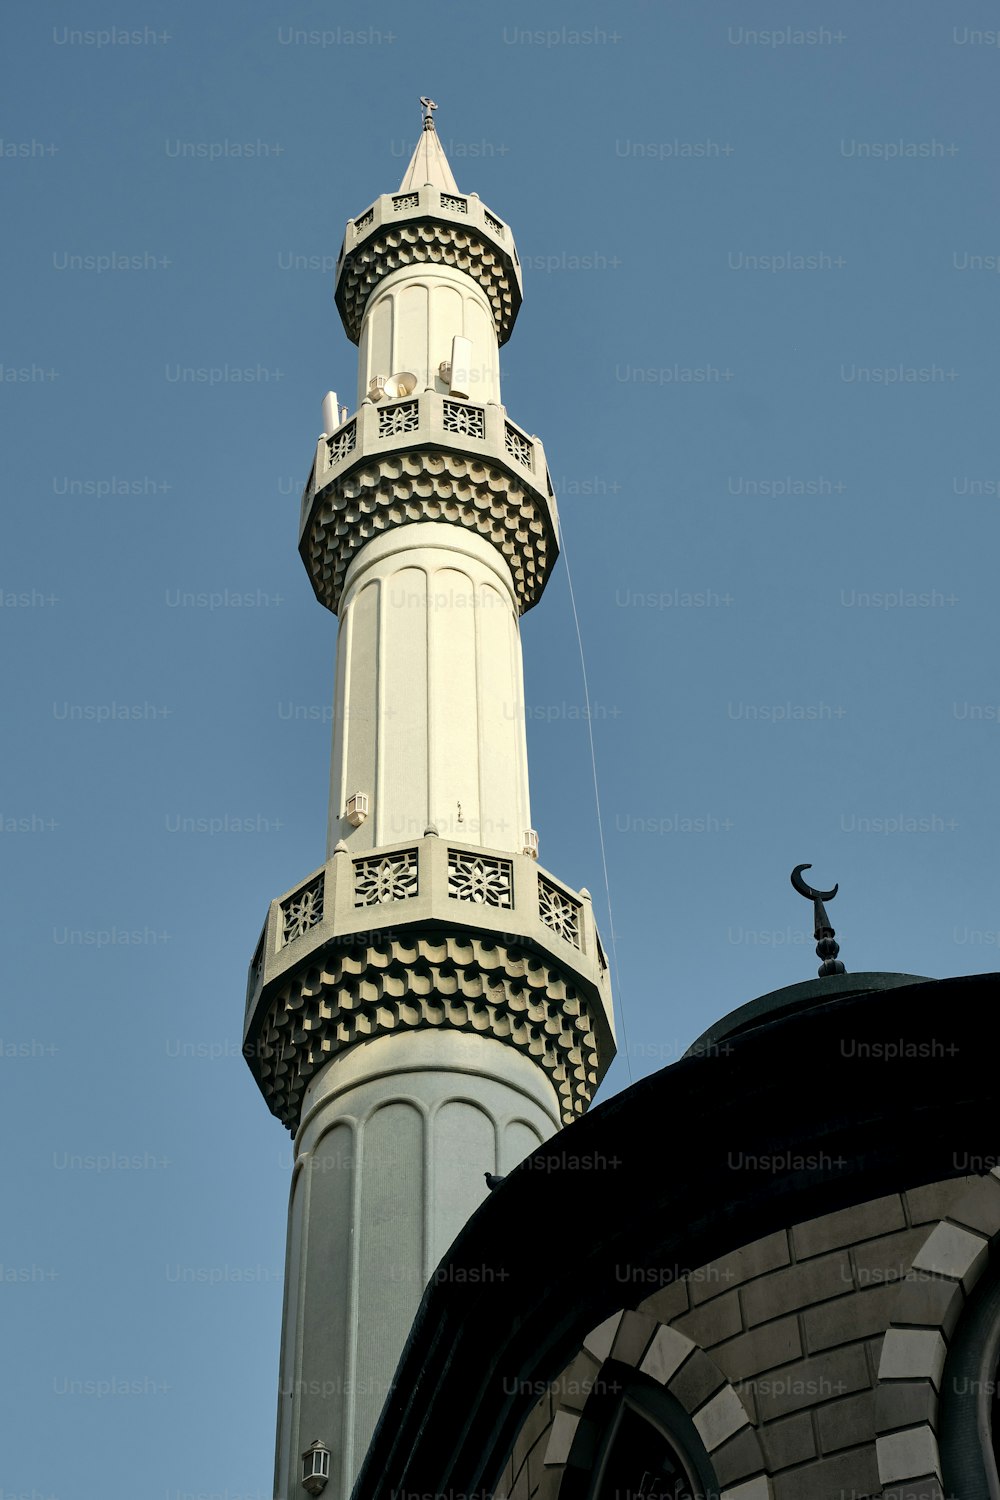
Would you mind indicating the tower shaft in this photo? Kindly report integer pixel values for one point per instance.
(429, 714)
(430, 1005)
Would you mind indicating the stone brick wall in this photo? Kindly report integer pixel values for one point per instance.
(794, 1323)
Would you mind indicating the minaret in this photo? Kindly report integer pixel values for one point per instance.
(430, 1005)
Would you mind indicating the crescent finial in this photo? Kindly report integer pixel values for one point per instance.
(807, 890)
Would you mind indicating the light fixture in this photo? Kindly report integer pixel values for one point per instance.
(357, 808)
(315, 1467)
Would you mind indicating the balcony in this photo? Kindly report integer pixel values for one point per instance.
(429, 457)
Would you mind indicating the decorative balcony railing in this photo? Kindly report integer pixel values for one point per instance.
(353, 897)
(428, 201)
(433, 420)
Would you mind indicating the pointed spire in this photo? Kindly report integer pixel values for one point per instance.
(428, 164)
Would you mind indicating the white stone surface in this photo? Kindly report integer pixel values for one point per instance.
(410, 321)
(599, 1340)
(910, 1454)
(390, 1157)
(428, 164)
(720, 1417)
(561, 1435)
(430, 716)
(666, 1354)
(753, 1489)
(397, 1132)
(954, 1252)
(913, 1354)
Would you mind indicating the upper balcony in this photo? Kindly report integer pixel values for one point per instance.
(453, 229)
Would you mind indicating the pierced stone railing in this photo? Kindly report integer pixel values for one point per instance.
(430, 226)
(353, 897)
(430, 419)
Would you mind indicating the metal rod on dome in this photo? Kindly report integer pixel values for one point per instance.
(827, 947)
(429, 105)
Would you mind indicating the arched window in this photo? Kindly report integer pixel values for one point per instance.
(969, 1433)
(636, 1442)
(640, 1463)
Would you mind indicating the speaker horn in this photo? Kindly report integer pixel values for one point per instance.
(404, 383)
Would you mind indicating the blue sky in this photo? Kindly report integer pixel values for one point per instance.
(759, 343)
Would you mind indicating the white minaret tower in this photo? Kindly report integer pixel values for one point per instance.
(431, 1004)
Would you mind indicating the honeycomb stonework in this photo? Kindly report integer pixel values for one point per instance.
(410, 243)
(472, 984)
(422, 485)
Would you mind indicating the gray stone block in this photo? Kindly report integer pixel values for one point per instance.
(668, 1303)
(863, 1221)
(846, 1477)
(534, 1470)
(555, 1447)
(740, 1265)
(979, 1207)
(761, 1349)
(713, 1321)
(849, 1318)
(572, 1389)
(633, 1338)
(538, 1422)
(797, 1286)
(888, 1258)
(520, 1489)
(927, 1301)
(908, 1455)
(696, 1380)
(905, 1404)
(935, 1199)
(950, 1250)
(738, 1459)
(847, 1423)
(921, 1489)
(810, 1382)
(721, 1418)
(665, 1355)
(789, 1441)
(873, 1353)
(913, 1354)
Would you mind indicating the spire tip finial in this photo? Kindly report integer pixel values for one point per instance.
(827, 946)
(428, 164)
